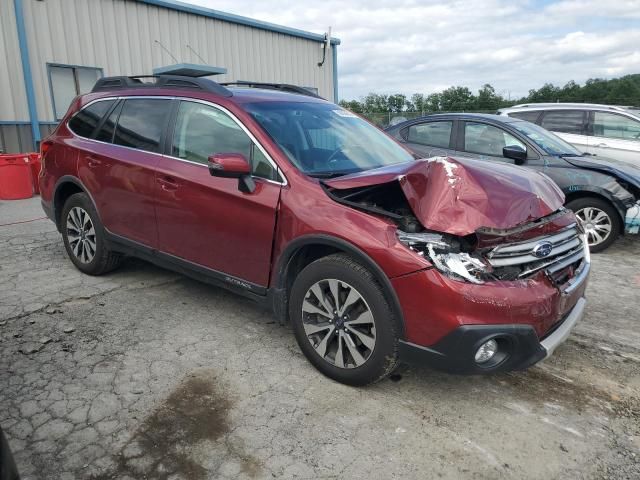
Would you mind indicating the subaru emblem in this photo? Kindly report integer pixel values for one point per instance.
(543, 249)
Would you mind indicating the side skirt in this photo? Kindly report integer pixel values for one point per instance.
(242, 287)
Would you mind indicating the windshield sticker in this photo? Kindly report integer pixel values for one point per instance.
(345, 113)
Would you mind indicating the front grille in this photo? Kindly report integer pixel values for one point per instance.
(517, 260)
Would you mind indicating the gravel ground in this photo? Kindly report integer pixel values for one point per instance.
(146, 374)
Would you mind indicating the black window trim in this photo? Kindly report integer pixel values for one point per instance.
(585, 119)
(404, 133)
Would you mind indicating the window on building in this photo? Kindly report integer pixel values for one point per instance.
(86, 120)
(141, 123)
(67, 82)
(434, 134)
(565, 121)
(202, 131)
(611, 125)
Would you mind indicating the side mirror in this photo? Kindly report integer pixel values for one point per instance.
(228, 165)
(516, 153)
(232, 165)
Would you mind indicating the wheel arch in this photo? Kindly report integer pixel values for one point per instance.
(589, 191)
(306, 249)
(66, 186)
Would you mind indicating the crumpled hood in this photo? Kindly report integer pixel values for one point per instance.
(460, 195)
(627, 171)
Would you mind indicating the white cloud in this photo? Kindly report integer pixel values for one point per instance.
(412, 46)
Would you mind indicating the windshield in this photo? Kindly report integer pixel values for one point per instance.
(547, 141)
(325, 140)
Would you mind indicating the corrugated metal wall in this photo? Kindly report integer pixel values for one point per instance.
(119, 36)
(17, 138)
(13, 99)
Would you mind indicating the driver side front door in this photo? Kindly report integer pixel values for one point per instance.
(208, 221)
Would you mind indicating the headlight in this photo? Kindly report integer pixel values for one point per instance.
(445, 255)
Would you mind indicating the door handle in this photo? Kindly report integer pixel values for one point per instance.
(167, 183)
(602, 145)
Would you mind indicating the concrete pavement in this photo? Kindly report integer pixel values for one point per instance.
(144, 373)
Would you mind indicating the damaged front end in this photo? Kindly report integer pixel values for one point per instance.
(473, 221)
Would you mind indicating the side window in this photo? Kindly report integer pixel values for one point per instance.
(610, 125)
(528, 115)
(202, 130)
(105, 134)
(486, 139)
(564, 121)
(434, 134)
(141, 123)
(86, 120)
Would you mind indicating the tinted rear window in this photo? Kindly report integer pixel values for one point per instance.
(87, 119)
(565, 121)
(105, 133)
(528, 116)
(141, 123)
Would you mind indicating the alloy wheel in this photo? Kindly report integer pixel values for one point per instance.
(338, 323)
(596, 223)
(81, 234)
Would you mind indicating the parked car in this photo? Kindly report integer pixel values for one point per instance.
(303, 206)
(602, 130)
(604, 194)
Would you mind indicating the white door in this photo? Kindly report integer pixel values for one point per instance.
(615, 136)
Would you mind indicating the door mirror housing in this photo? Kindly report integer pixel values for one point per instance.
(228, 165)
(232, 165)
(516, 153)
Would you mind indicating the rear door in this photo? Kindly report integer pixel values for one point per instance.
(570, 125)
(429, 139)
(615, 136)
(207, 220)
(120, 169)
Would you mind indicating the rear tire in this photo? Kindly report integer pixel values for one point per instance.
(600, 221)
(84, 237)
(354, 339)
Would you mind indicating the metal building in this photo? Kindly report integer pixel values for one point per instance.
(54, 50)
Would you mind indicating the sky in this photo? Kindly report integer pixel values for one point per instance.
(424, 46)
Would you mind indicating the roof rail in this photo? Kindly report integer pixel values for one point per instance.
(160, 81)
(285, 87)
(569, 104)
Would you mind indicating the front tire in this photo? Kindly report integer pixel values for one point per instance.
(343, 322)
(84, 237)
(600, 221)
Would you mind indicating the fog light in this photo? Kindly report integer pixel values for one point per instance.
(486, 351)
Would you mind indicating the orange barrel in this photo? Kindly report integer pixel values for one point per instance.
(36, 165)
(15, 177)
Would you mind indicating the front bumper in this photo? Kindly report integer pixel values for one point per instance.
(519, 346)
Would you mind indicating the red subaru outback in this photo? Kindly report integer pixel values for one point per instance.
(274, 193)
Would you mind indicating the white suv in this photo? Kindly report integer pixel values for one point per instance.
(602, 130)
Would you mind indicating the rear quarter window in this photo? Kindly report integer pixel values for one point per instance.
(86, 120)
(528, 116)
